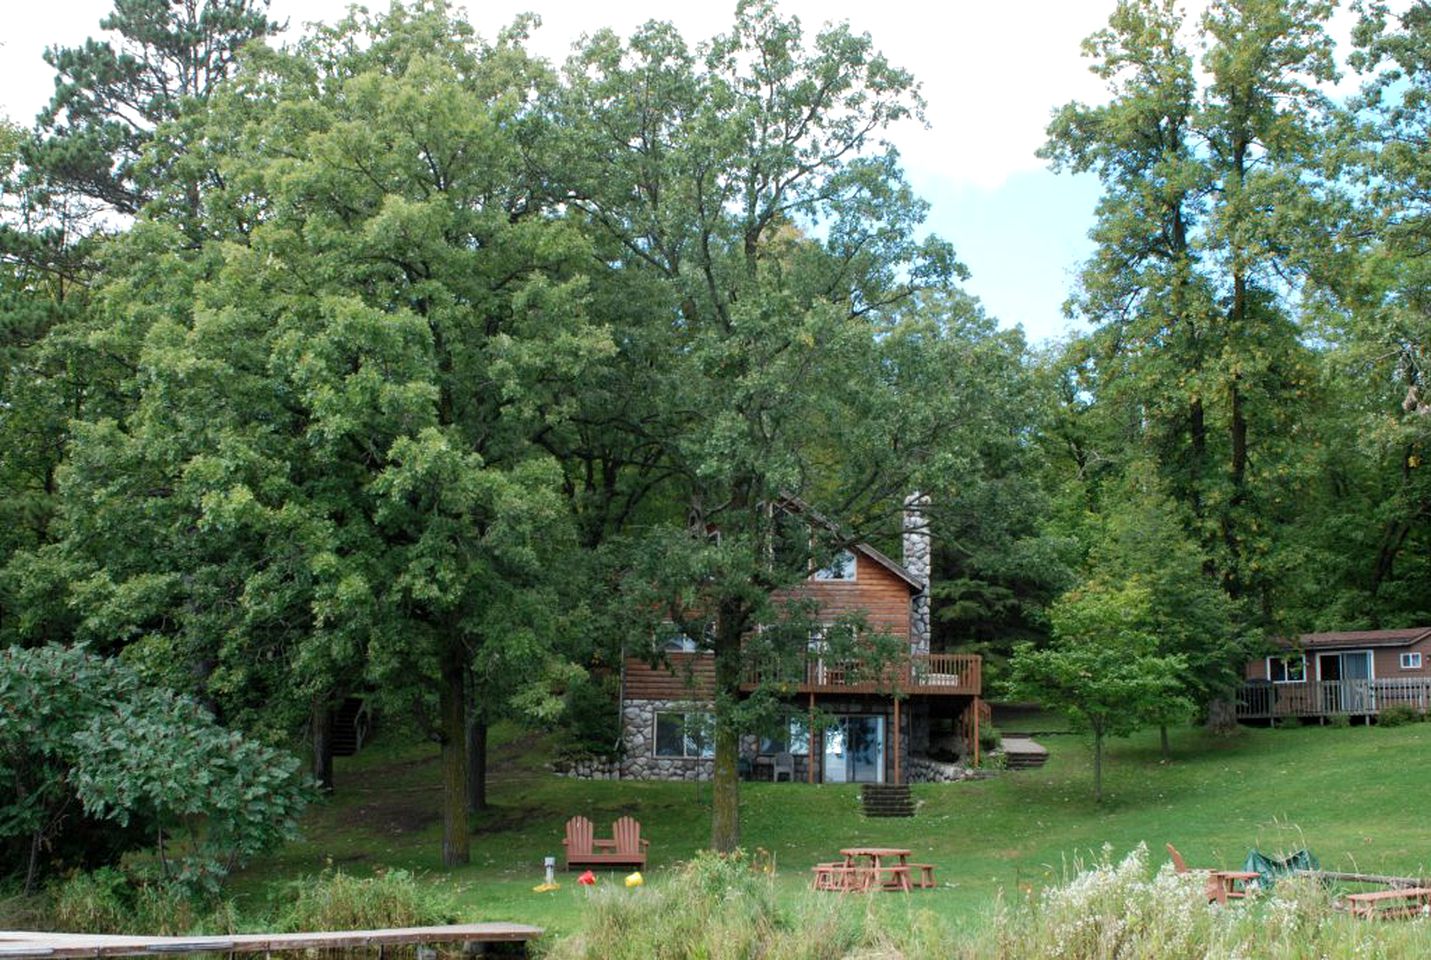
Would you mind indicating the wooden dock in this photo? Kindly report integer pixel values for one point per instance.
(22, 945)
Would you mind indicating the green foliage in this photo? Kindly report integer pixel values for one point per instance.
(75, 728)
(1103, 668)
(989, 738)
(1398, 715)
(335, 900)
(590, 721)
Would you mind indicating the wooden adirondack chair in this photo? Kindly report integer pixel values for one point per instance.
(579, 842)
(629, 845)
(1221, 884)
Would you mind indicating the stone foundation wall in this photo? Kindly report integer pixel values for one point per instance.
(925, 770)
(638, 740)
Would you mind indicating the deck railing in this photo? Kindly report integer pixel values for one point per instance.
(1312, 698)
(930, 673)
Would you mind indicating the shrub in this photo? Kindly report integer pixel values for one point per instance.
(1398, 715)
(143, 763)
(990, 739)
(335, 900)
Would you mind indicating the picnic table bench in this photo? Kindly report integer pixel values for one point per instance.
(1397, 904)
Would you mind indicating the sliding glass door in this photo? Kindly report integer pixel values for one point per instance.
(854, 750)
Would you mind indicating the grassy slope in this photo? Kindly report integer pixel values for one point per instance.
(1351, 795)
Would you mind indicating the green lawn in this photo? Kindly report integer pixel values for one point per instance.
(1352, 795)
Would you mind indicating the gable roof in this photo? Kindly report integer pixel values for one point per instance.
(898, 569)
(1340, 639)
(796, 505)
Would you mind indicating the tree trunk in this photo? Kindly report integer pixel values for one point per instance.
(476, 762)
(1221, 717)
(452, 709)
(1097, 766)
(1163, 741)
(725, 785)
(320, 729)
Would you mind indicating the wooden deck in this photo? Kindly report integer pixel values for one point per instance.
(949, 674)
(58, 946)
(1311, 698)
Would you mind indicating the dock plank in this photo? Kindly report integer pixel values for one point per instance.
(22, 944)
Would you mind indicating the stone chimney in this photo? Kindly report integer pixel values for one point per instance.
(918, 556)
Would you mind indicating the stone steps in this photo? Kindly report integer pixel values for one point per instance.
(1023, 753)
(886, 800)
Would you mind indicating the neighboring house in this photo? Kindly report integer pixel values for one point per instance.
(1351, 672)
(863, 733)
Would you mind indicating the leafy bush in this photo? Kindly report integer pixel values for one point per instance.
(142, 761)
(335, 900)
(1399, 715)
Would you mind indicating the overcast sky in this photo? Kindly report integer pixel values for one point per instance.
(992, 72)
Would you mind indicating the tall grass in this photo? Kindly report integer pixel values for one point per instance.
(726, 908)
(335, 900)
(108, 901)
(718, 908)
(1119, 911)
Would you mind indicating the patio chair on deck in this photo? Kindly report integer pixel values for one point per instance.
(784, 763)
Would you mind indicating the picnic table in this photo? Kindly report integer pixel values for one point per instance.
(1390, 904)
(886, 867)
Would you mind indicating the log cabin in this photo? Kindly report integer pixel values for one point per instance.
(841, 725)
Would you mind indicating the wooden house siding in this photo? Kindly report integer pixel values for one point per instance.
(1386, 661)
(879, 594)
(882, 596)
(685, 676)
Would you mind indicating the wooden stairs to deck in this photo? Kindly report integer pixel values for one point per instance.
(1023, 753)
(887, 800)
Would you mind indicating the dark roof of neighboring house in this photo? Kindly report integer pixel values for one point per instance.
(897, 569)
(1338, 639)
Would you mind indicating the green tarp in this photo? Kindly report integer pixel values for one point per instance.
(1273, 868)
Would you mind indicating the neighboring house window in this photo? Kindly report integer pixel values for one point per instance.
(1411, 661)
(1287, 669)
(842, 567)
(796, 739)
(685, 735)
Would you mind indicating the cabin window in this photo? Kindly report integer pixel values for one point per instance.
(672, 639)
(1411, 661)
(842, 567)
(1287, 669)
(690, 735)
(794, 740)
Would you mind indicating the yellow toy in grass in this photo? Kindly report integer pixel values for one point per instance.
(546, 887)
(635, 879)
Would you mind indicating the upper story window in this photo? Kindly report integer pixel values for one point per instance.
(1289, 669)
(670, 638)
(842, 567)
(1411, 661)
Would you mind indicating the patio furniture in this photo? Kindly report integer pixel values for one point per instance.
(784, 762)
(888, 866)
(625, 848)
(1222, 885)
(1399, 904)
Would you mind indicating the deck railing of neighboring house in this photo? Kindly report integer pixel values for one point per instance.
(1264, 701)
(933, 673)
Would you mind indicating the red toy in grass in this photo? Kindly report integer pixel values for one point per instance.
(587, 879)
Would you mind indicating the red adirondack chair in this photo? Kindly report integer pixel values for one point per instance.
(629, 845)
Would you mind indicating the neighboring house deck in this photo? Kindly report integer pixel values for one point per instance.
(1345, 673)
